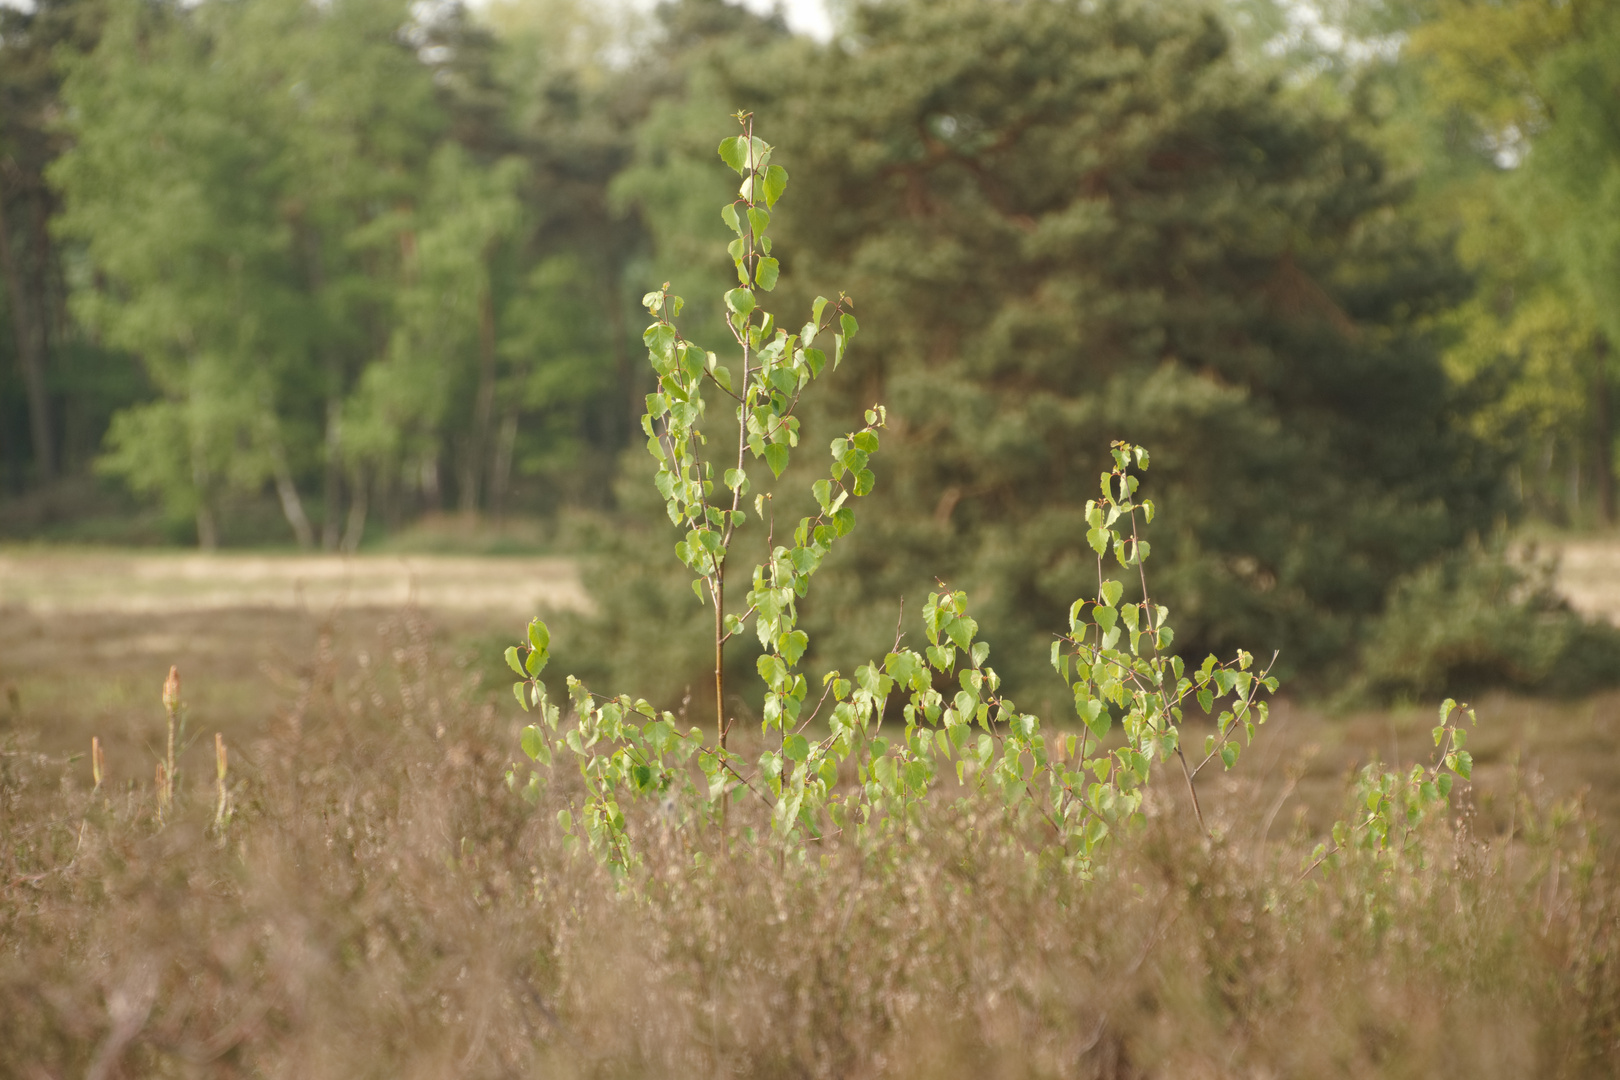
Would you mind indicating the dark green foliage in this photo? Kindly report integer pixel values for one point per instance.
(57, 388)
(1482, 619)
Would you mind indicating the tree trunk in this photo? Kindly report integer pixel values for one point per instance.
(54, 335)
(332, 489)
(207, 525)
(292, 507)
(432, 491)
(388, 486)
(30, 333)
(484, 408)
(500, 480)
(332, 493)
(356, 526)
(1602, 432)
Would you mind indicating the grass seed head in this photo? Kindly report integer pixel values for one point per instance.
(171, 690)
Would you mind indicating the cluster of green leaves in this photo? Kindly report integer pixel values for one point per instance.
(1394, 805)
(644, 752)
(1115, 658)
(1506, 110)
(776, 367)
(1086, 787)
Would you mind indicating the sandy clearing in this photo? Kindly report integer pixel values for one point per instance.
(1589, 575)
(73, 582)
(68, 582)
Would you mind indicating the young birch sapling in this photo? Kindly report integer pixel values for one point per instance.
(1075, 788)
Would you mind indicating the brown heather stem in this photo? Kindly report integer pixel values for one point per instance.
(220, 769)
(720, 689)
(168, 773)
(171, 705)
(1192, 791)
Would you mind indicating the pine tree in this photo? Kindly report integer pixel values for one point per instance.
(30, 264)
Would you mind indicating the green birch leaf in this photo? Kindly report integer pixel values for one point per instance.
(766, 273)
(532, 742)
(734, 152)
(776, 179)
(536, 661)
(792, 645)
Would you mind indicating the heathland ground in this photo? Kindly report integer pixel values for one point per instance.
(370, 899)
(86, 637)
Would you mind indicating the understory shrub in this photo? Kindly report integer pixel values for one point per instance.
(1483, 619)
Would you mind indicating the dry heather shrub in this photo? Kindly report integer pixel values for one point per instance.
(382, 905)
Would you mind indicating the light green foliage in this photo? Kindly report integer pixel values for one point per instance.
(443, 335)
(324, 242)
(1533, 88)
(229, 169)
(1392, 806)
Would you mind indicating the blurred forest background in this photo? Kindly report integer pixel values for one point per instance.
(310, 275)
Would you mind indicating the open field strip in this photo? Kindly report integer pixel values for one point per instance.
(1589, 576)
(126, 582)
(86, 637)
(71, 582)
